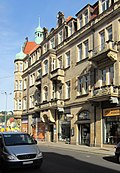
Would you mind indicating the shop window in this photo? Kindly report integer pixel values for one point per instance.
(112, 130)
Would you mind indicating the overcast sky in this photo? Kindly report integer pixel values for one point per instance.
(18, 20)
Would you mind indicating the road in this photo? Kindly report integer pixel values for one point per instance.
(66, 161)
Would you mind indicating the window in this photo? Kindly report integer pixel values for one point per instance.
(21, 67)
(60, 62)
(67, 59)
(80, 85)
(111, 74)
(81, 21)
(20, 84)
(70, 29)
(45, 93)
(103, 73)
(83, 84)
(16, 84)
(105, 4)
(54, 91)
(86, 49)
(86, 87)
(44, 48)
(52, 43)
(19, 104)
(86, 17)
(60, 91)
(67, 89)
(60, 37)
(31, 102)
(53, 64)
(102, 40)
(79, 47)
(25, 83)
(45, 66)
(109, 33)
(16, 67)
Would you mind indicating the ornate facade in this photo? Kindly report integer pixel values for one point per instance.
(71, 78)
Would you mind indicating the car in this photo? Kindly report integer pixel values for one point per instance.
(117, 152)
(18, 149)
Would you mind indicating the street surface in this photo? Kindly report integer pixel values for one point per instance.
(58, 160)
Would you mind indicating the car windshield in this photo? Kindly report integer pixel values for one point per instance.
(18, 139)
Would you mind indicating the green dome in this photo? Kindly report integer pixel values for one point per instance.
(38, 29)
(20, 55)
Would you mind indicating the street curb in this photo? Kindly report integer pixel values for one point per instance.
(96, 151)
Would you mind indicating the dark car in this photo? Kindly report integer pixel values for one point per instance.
(117, 152)
(19, 149)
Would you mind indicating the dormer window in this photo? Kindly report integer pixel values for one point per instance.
(60, 37)
(81, 21)
(86, 17)
(52, 43)
(104, 4)
(70, 29)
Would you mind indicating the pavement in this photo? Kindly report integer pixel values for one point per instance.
(96, 150)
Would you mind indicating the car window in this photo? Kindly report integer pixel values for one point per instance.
(18, 139)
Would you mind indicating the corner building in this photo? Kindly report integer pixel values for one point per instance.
(70, 78)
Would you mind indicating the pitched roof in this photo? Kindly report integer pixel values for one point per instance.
(29, 47)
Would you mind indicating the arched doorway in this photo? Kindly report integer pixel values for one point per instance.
(83, 123)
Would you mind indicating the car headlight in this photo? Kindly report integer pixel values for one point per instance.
(39, 154)
(11, 157)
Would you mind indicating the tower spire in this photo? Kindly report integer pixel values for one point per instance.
(39, 21)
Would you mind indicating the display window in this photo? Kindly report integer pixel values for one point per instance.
(111, 129)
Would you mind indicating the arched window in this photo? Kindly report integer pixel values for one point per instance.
(84, 115)
(45, 66)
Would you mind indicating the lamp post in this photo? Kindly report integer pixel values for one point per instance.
(6, 94)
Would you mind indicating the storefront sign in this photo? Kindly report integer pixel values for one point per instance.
(111, 112)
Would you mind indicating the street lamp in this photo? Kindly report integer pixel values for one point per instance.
(6, 106)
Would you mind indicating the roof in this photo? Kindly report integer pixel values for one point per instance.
(29, 47)
(69, 18)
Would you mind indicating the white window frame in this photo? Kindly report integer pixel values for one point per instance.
(67, 89)
(52, 43)
(60, 37)
(79, 48)
(67, 59)
(20, 84)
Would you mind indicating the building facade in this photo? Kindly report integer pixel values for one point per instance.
(71, 78)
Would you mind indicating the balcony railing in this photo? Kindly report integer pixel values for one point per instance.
(108, 49)
(57, 74)
(106, 90)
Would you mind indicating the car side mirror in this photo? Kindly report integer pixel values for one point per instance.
(35, 141)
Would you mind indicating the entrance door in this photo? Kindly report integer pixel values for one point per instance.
(84, 134)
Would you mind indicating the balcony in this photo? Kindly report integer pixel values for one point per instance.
(38, 80)
(107, 50)
(57, 74)
(104, 93)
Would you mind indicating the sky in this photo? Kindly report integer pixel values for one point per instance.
(18, 20)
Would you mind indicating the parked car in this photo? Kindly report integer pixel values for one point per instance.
(117, 152)
(19, 149)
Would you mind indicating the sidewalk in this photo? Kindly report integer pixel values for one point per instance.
(95, 150)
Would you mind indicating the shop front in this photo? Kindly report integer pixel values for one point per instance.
(83, 123)
(111, 126)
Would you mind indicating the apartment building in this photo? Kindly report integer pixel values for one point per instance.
(67, 82)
